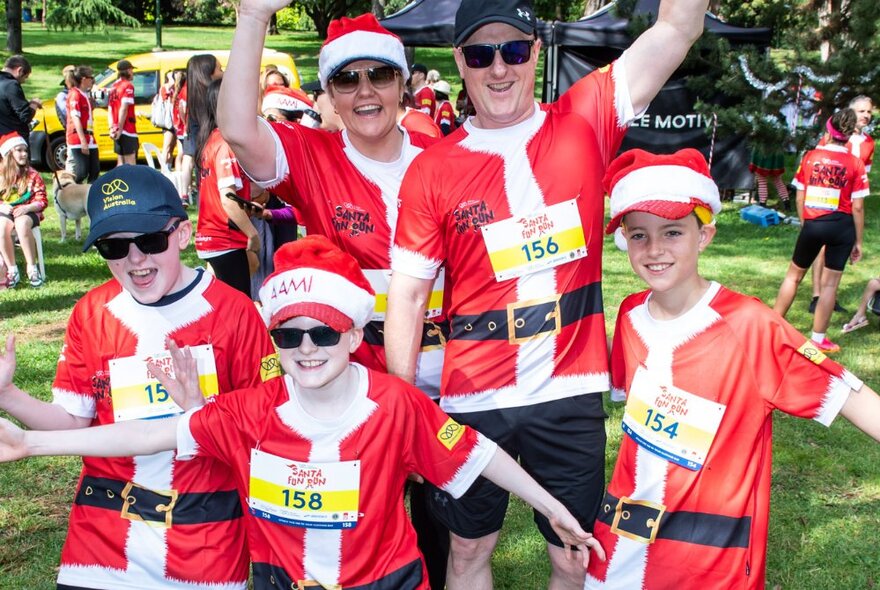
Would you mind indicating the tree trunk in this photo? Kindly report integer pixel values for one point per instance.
(378, 8)
(273, 24)
(13, 26)
(591, 6)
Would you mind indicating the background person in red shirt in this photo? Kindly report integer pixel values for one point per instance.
(831, 188)
(122, 116)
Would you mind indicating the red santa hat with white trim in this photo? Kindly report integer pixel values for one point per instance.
(668, 185)
(9, 141)
(286, 99)
(353, 39)
(314, 278)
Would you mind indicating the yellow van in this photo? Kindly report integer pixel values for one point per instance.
(48, 145)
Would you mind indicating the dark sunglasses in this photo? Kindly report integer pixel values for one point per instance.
(152, 243)
(347, 81)
(293, 337)
(482, 55)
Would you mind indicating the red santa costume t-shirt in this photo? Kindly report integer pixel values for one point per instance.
(425, 100)
(445, 114)
(523, 332)
(204, 546)
(346, 525)
(178, 112)
(700, 393)
(861, 145)
(122, 92)
(418, 122)
(831, 178)
(352, 200)
(79, 106)
(219, 170)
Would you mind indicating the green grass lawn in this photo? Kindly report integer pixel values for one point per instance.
(826, 492)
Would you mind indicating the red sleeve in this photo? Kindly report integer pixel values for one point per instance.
(38, 190)
(861, 186)
(226, 425)
(229, 172)
(419, 245)
(597, 98)
(792, 374)
(448, 454)
(72, 388)
(799, 175)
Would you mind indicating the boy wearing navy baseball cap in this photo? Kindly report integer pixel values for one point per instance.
(701, 368)
(144, 521)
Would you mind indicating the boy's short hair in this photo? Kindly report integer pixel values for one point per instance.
(18, 61)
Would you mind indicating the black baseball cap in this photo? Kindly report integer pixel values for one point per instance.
(310, 87)
(473, 14)
(419, 68)
(124, 64)
(137, 199)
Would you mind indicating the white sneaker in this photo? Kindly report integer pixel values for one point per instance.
(13, 278)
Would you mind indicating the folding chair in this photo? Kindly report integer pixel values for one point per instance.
(154, 160)
(38, 240)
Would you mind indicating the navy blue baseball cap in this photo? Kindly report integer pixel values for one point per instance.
(137, 199)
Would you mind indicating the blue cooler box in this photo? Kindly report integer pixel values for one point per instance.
(759, 215)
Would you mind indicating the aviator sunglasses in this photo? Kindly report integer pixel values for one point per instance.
(347, 81)
(151, 243)
(293, 337)
(482, 55)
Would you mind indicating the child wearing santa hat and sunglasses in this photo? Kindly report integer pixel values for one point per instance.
(701, 368)
(320, 455)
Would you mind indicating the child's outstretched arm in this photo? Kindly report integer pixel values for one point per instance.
(507, 473)
(862, 408)
(123, 439)
(32, 412)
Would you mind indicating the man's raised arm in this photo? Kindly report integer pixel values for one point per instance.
(251, 141)
(658, 52)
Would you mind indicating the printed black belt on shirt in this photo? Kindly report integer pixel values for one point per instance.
(525, 320)
(645, 522)
(434, 334)
(165, 507)
(270, 577)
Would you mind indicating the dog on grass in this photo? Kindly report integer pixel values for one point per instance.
(70, 201)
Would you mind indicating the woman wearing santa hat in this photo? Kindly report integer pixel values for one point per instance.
(345, 184)
(22, 200)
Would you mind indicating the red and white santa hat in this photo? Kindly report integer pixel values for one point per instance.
(286, 99)
(314, 278)
(667, 185)
(353, 39)
(9, 141)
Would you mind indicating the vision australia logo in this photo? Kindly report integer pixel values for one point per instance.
(472, 215)
(450, 433)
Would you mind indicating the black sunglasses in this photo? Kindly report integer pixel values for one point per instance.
(347, 81)
(482, 55)
(152, 243)
(293, 337)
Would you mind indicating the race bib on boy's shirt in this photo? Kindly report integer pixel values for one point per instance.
(522, 245)
(137, 394)
(822, 197)
(670, 422)
(302, 494)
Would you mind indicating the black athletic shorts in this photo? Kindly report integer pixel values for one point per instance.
(34, 218)
(560, 443)
(126, 145)
(836, 231)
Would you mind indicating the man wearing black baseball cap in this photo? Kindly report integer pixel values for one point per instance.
(123, 121)
(518, 228)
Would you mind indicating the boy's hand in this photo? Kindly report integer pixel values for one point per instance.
(12, 445)
(184, 386)
(7, 364)
(572, 535)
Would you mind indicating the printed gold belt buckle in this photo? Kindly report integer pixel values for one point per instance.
(622, 514)
(515, 323)
(129, 500)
